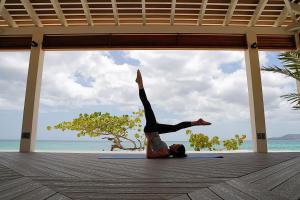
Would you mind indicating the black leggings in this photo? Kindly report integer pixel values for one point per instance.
(152, 125)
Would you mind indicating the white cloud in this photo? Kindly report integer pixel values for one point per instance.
(13, 73)
(185, 84)
(90, 78)
(192, 84)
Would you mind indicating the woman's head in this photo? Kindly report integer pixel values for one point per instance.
(177, 150)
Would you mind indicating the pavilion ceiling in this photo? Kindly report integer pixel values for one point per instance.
(50, 13)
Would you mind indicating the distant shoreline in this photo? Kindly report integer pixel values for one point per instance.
(142, 152)
(286, 137)
(105, 146)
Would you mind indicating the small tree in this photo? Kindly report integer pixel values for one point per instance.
(112, 128)
(200, 141)
(234, 143)
(290, 68)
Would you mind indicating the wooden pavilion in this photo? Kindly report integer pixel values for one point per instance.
(247, 25)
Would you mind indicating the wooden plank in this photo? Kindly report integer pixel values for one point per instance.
(153, 29)
(289, 9)
(98, 196)
(253, 191)
(269, 171)
(30, 168)
(58, 196)
(260, 7)
(7, 17)
(277, 178)
(173, 7)
(182, 197)
(74, 168)
(281, 18)
(150, 189)
(2, 2)
(123, 184)
(59, 12)
(204, 194)
(227, 192)
(290, 188)
(115, 12)
(37, 194)
(14, 183)
(145, 41)
(19, 190)
(31, 11)
(134, 179)
(144, 12)
(230, 12)
(131, 180)
(202, 12)
(87, 13)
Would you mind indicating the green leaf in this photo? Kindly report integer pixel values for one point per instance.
(290, 68)
(98, 124)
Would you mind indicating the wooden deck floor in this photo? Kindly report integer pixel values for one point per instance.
(82, 176)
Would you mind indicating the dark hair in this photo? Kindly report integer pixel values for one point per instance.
(180, 153)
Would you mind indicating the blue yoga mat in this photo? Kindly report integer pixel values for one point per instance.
(143, 156)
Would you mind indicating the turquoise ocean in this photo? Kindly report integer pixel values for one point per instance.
(97, 146)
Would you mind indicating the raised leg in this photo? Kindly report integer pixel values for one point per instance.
(149, 114)
(167, 128)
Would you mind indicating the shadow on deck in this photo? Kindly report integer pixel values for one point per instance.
(62, 176)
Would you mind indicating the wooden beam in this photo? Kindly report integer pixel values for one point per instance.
(297, 41)
(115, 12)
(281, 18)
(6, 16)
(145, 29)
(256, 102)
(293, 27)
(32, 95)
(2, 2)
(144, 11)
(173, 12)
(87, 12)
(59, 12)
(32, 13)
(202, 12)
(15, 43)
(295, 7)
(260, 7)
(273, 42)
(145, 41)
(289, 9)
(230, 12)
(150, 41)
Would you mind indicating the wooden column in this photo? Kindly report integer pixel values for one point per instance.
(297, 41)
(32, 96)
(255, 95)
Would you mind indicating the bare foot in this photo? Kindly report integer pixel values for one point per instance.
(201, 122)
(139, 79)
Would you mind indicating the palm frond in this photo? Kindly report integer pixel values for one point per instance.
(291, 68)
(283, 70)
(290, 57)
(291, 60)
(293, 98)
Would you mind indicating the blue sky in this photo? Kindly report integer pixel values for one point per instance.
(181, 85)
